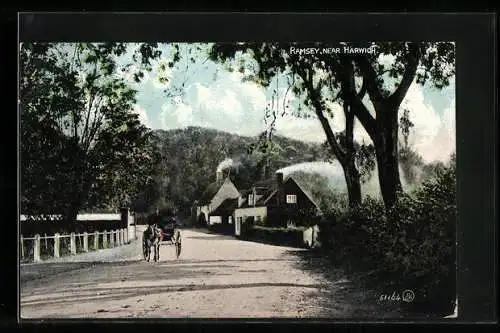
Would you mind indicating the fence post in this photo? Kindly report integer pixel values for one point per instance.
(118, 237)
(96, 240)
(85, 242)
(122, 237)
(22, 247)
(105, 239)
(56, 245)
(124, 240)
(72, 243)
(36, 249)
(126, 235)
(112, 239)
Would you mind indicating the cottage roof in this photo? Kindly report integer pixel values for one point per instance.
(226, 207)
(265, 189)
(210, 192)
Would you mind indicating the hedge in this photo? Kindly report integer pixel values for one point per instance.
(220, 228)
(411, 246)
(278, 236)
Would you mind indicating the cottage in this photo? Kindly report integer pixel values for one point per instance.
(212, 206)
(275, 202)
(225, 212)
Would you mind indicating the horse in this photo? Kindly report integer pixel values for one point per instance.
(151, 237)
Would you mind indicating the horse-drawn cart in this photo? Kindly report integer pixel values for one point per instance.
(161, 234)
(170, 235)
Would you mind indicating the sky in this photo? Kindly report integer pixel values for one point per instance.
(217, 98)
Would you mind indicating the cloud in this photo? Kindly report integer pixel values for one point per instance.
(216, 98)
(178, 115)
(227, 104)
(433, 134)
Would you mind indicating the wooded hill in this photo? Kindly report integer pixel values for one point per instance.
(187, 159)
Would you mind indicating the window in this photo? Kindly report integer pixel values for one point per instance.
(250, 200)
(291, 198)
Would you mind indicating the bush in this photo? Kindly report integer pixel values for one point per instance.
(411, 246)
(426, 246)
(220, 228)
(279, 236)
(247, 227)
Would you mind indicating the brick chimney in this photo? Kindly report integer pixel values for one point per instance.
(219, 175)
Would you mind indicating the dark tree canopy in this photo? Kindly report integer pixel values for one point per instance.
(82, 146)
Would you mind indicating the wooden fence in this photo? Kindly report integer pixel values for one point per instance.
(39, 248)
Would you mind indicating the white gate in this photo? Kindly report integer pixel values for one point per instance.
(237, 227)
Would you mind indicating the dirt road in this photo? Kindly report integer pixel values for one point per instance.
(216, 277)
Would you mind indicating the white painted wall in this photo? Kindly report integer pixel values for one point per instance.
(204, 209)
(215, 219)
(250, 211)
(310, 236)
(237, 227)
(84, 217)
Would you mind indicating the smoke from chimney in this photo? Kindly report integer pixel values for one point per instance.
(227, 163)
(224, 165)
(333, 171)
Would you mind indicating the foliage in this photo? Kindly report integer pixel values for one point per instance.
(308, 78)
(181, 175)
(411, 246)
(318, 80)
(279, 236)
(323, 190)
(222, 228)
(80, 140)
(247, 227)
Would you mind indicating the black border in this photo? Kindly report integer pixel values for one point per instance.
(475, 98)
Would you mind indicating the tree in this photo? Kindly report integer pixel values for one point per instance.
(77, 93)
(422, 62)
(309, 77)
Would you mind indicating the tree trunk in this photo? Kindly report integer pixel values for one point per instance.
(386, 148)
(346, 158)
(71, 215)
(353, 183)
